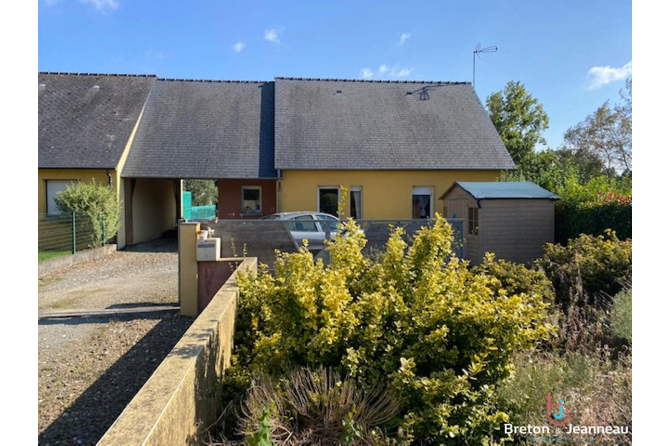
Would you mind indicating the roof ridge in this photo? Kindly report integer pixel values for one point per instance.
(96, 74)
(371, 80)
(172, 79)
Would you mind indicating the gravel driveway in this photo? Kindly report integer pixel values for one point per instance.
(91, 367)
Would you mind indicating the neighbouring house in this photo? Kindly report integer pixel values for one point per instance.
(86, 123)
(393, 145)
(514, 220)
(219, 130)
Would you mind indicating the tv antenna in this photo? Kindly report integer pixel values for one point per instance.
(479, 50)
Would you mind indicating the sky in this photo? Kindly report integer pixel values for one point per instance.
(570, 55)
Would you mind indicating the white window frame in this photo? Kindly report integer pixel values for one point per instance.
(53, 210)
(260, 200)
(356, 189)
(425, 190)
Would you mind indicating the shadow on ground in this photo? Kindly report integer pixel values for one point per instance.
(87, 419)
(165, 244)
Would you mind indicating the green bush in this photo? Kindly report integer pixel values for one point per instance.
(440, 336)
(97, 204)
(622, 315)
(589, 268)
(593, 207)
(516, 278)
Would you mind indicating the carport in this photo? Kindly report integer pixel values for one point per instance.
(218, 130)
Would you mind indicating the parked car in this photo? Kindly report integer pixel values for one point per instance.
(310, 226)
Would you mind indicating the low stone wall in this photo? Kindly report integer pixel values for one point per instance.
(181, 398)
(57, 263)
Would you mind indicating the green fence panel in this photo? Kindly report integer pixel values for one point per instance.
(187, 204)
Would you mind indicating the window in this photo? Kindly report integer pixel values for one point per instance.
(53, 187)
(355, 202)
(329, 198)
(304, 223)
(473, 221)
(327, 221)
(251, 200)
(422, 202)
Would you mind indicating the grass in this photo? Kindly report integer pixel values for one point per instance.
(46, 255)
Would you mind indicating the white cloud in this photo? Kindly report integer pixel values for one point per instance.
(239, 46)
(401, 72)
(404, 37)
(272, 35)
(102, 4)
(151, 54)
(601, 76)
(386, 71)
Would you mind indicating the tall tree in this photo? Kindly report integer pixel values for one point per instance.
(204, 192)
(607, 133)
(519, 119)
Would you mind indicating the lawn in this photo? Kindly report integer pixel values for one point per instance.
(46, 255)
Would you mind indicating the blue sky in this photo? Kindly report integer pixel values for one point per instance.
(571, 55)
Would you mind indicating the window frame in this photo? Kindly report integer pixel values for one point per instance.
(318, 198)
(260, 200)
(46, 191)
(360, 190)
(423, 191)
(473, 220)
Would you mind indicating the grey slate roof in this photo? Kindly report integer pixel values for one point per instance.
(205, 129)
(496, 190)
(360, 125)
(85, 120)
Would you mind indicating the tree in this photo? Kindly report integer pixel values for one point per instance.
(519, 119)
(204, 192)
(607, 133)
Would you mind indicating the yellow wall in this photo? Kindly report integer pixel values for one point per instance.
(85, 175)
(386, 194)
(154, 209)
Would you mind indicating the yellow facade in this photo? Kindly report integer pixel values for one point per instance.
(385, 194)
(83, 175)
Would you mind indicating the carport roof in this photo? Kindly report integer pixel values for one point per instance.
(496, 190)
(205, 129)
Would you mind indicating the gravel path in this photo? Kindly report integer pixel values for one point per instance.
(90, 368)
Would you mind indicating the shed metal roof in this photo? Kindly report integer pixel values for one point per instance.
(85, 120)
(205, 129)
(337, 124)
(497, 190)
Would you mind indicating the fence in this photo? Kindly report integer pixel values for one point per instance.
(196, 212)
(66, 233)
(261, 238)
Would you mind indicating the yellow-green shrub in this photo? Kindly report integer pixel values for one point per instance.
(588, 267)
(441, 336)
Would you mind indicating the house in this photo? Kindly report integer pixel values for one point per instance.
(280, 146)
(514, 220)
(86, 124)
(393, 145)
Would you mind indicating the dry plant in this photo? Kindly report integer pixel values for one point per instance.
(315, 406)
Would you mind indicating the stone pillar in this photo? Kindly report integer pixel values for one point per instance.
(188, 268)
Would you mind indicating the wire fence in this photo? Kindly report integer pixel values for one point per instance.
(66, 233)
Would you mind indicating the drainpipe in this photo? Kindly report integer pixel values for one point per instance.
(109, 176)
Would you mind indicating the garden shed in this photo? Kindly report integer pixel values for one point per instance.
(514, 220)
